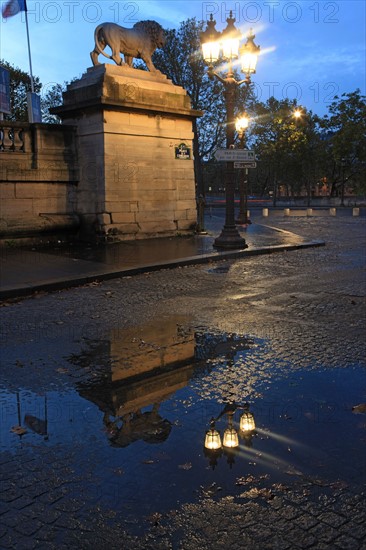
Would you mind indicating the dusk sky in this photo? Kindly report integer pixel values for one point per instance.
(312, 50)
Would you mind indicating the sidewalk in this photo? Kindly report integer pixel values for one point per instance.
(27, 270)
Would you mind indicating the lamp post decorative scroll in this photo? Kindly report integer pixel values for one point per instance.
(227, 42)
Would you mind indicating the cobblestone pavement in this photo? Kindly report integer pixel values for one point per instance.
(309, 303)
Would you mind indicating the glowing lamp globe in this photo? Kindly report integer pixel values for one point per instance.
(211, 52)
(241, 124)
(230, 39)
(230, 48)
(249, 53)
(210, 42)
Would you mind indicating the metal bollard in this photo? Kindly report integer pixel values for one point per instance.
(333, 211)
(265, 212)
(286, 212)
(355, 211)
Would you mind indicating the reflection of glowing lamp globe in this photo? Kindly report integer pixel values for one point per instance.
(212, 439)
(230, 438)
(247, 423)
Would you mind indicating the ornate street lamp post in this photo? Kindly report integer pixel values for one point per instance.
(227, 43)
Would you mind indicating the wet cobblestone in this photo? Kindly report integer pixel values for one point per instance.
(311, 303)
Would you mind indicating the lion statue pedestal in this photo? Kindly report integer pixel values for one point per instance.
(135, 153)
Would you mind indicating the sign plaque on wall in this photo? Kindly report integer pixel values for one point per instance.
(182, 152)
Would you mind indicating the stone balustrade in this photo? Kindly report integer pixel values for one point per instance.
(13, 136)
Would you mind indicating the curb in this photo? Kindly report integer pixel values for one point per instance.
(63, 284)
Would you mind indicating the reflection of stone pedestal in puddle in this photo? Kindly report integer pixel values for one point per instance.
(149, 364)
(161, 345)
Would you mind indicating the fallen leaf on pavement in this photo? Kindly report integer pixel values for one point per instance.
(359, 408)
(186, 466)
(18, 430)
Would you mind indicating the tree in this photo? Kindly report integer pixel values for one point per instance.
(286, 147)
(345, 130)
(181, 60)
(20, 84)
(52, 98)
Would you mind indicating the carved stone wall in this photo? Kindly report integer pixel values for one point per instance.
(38, 177)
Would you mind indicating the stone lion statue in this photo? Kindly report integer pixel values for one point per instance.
(140, 42)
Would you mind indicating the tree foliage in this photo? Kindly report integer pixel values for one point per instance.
(296, 155)
(20, 84)
(181, 60)
(287, 147)
(52, 98)
(292, 153)
(345, 143)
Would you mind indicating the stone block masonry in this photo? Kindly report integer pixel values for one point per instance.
(39, 173)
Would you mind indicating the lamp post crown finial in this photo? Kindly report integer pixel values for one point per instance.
(231, 29)
(210, 35)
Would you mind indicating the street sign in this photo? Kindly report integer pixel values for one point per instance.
(183, 152)
(245, 165)
(234, 155)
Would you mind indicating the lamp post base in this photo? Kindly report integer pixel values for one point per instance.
(230, 238)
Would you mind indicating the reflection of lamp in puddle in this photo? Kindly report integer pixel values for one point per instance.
(213, 439)
(247, 423)
(247, 426)
(230, 439)
(212, 444)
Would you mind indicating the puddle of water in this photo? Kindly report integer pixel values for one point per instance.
(139, 425)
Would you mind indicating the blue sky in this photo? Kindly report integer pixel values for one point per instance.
(312, 49)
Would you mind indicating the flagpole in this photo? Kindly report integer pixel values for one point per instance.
(29, 49)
